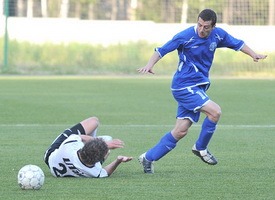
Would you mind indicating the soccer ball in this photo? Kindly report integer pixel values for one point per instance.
(30, 177)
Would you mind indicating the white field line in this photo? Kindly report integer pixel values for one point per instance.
(223, 126)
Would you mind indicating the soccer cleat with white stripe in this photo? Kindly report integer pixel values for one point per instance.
(205, 156)
(147, 165)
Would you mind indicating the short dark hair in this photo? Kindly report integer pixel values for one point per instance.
(208, 15)
(94, 151)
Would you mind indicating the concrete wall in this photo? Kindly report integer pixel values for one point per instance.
(41, 30)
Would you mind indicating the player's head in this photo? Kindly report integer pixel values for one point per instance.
(94, 151)
(206, 22)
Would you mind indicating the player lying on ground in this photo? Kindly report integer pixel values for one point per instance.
(77, 152)
(196, 47)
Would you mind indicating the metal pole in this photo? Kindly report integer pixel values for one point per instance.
(6, 10)
(271, 17)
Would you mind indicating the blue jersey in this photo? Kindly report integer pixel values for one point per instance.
(196, 55)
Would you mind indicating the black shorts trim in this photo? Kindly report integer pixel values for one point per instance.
(76, 129)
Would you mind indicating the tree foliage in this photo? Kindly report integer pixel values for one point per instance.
(235, 12)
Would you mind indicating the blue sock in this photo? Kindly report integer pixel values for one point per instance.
(166, 144)
(207, 130)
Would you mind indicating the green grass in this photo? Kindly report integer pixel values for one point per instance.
(34, 110)
(26, 58)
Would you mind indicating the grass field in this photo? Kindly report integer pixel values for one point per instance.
(34, 110)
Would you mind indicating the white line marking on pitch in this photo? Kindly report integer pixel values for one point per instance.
(142, 126)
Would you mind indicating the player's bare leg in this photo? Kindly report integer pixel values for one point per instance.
(90, 126)
(213, 113)
(181, 128)
(165, 145)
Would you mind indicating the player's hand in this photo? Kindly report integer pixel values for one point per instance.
(258, 57)
(115, 143)
(145, 70)
(124, 158)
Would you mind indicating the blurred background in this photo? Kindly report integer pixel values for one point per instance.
(114, 37)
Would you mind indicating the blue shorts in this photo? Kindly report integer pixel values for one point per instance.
(190, 101)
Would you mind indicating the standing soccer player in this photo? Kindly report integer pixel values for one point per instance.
(196, 47)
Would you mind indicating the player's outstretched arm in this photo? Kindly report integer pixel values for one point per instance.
(115, 143)
(113, 165)
(149, 66)
(256, 57)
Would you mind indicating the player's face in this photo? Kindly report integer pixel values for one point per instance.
(204, 28)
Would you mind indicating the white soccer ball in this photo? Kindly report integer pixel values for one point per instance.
(30, 177)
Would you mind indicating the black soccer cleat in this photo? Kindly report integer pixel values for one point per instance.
(205, 156)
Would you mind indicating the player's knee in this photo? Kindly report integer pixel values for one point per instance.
(179, 133)
(183, 132)
(181, 128)
(94, 120)
(216, 114)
